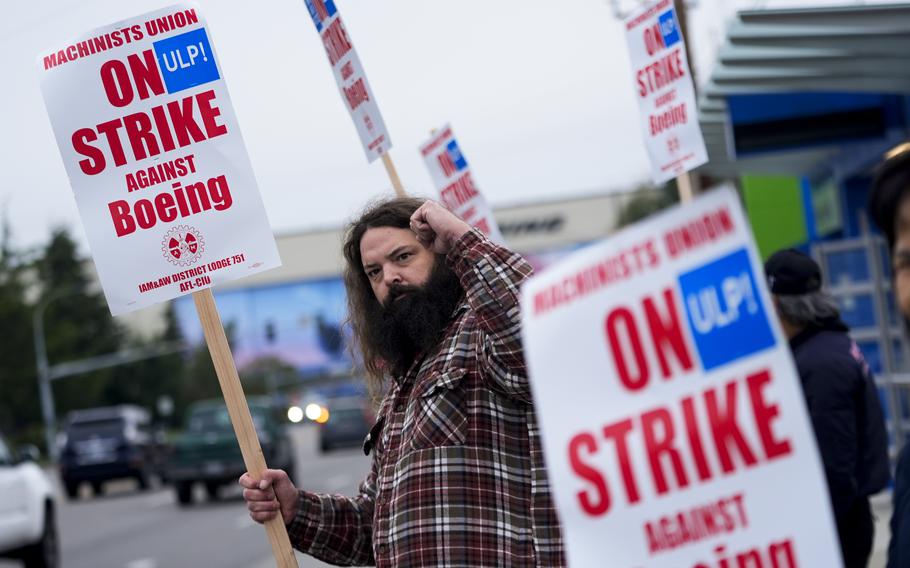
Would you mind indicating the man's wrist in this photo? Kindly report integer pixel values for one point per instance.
(302, 508)
(464, 243)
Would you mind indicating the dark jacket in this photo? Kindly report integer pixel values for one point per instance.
(845, 413)
(899, 549)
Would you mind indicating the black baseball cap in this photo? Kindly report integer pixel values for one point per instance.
(792, 273)
(891, 184)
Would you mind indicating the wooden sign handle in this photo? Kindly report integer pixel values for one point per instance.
(239, 412)
(393, 175)
(684, 184)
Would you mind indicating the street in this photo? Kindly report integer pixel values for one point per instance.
(128, 529)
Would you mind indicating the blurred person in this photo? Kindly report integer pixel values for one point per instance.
(889, 208)
(457, 475)
(840, 395)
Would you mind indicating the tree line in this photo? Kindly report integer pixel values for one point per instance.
(78, 325)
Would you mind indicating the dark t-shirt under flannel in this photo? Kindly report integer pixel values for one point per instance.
(457, 477)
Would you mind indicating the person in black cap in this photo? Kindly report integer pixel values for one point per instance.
(841, 396)
(889, 207)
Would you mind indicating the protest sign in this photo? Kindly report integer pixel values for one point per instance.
(673, 423)
(665, 92)
(151, 145)
(351, 79)
(148, 137)
(452, 177)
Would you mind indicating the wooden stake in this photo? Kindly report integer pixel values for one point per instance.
(684, 184)
(239, 412)
(393, 175)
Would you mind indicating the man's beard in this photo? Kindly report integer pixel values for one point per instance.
(413, 318)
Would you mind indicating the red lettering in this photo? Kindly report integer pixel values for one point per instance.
(164, 130)
(185, 127)
(668, 455)
(446, 163)
(619, 433)
(336, 42)
(165, 207)
(120, 214)
(667, 331)
(144, 213)
(459, 192)
(321, 9)
(356, 94)
(658, 444)
(116, 82)
(725, 428)
(764, 414)
(209, 114)
(785, 548)
(661, 73)
(654, 40)
(194, 198)
(619, 321)
(146, 74)
(347, 70)
(599, 503)
(94, 162)
(672, 117)
(138, 129)
(109, 129)
(695, 443)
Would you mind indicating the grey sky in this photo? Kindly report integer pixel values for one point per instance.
(538, 92)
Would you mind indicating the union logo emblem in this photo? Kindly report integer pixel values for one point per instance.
(182, 245)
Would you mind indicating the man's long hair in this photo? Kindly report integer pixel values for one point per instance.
(807, 309)
(362, 301)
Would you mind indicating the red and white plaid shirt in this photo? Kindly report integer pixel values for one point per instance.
(457, 477)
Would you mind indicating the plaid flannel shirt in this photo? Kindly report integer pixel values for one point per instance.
(457, 476)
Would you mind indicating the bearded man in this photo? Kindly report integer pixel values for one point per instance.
(457, 475)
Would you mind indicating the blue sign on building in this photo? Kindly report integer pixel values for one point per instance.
(725, 311)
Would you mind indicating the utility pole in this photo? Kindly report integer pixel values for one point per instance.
(48, 373)
(44, 383)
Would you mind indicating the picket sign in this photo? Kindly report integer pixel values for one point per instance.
(675, 431)
(665, 91)
(166, 193)
(453, 178)
(353, 86)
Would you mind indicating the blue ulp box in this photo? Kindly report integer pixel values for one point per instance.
(186, 60)
(668, 28)
(456, 155)
(725, 311)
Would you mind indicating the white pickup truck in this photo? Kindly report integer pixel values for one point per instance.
(28, 526)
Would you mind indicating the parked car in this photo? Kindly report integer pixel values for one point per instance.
(28, 510)
(349, 420)
(207, 451)
(101, 444)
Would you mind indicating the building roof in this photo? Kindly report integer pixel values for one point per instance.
(846, 49)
